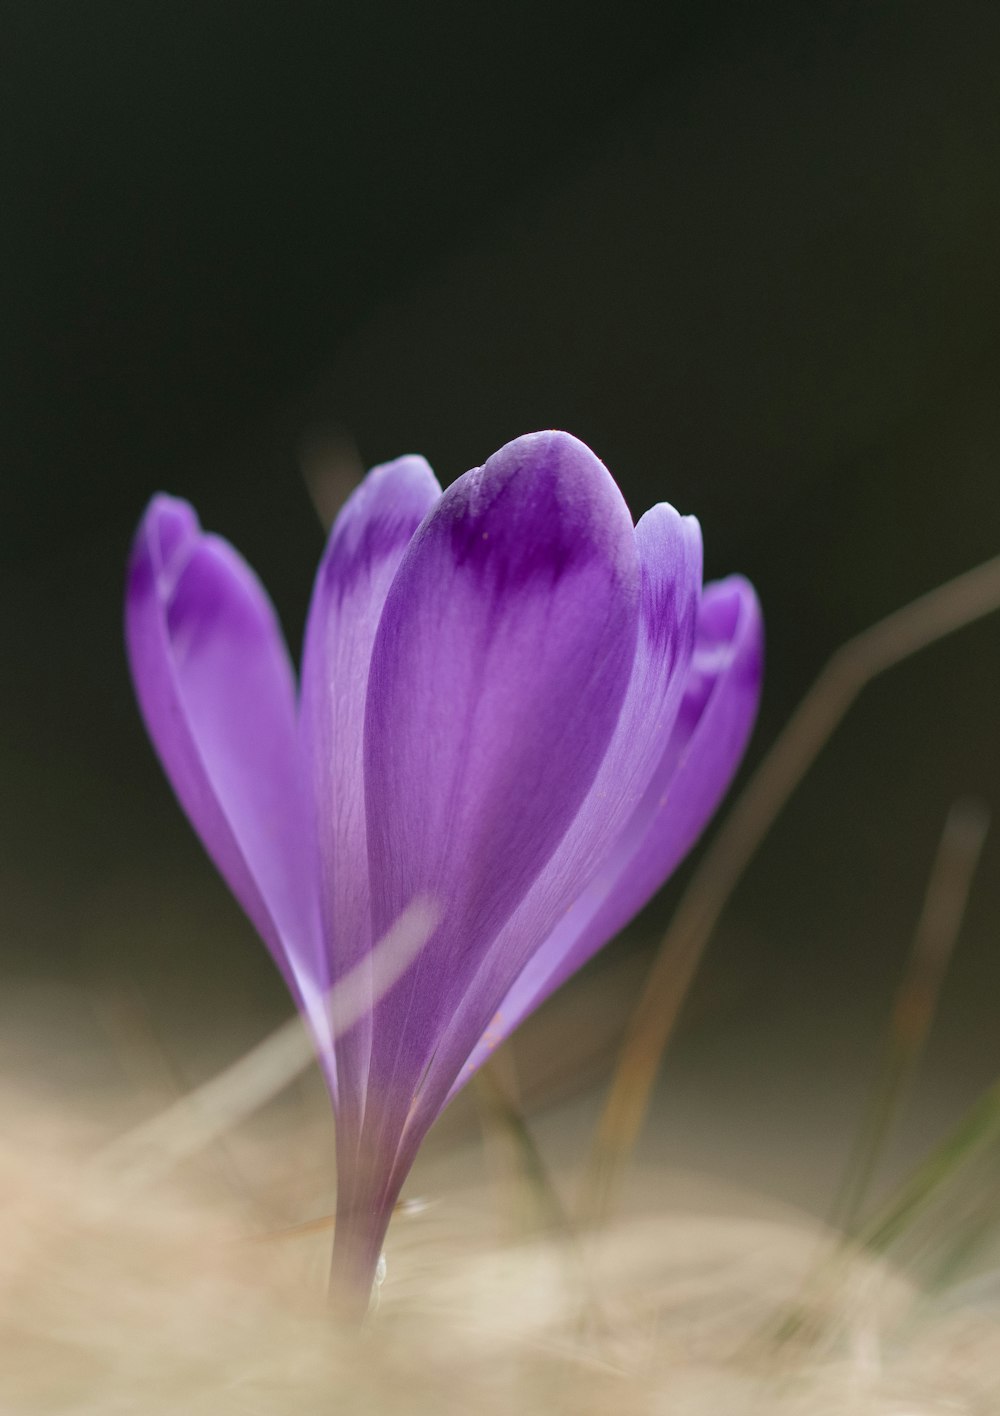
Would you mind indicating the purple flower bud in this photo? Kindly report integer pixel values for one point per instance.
(514, 704)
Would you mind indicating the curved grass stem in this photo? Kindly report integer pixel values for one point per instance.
(917, 625)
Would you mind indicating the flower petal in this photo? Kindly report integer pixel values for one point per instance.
(363, 552)
(217, 692)
(670, 560)
(499, 669)
(704, 749)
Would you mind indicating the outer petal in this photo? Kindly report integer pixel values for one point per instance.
(216, 689)
(704, 749)
(670, 559)
(499, 670)
(363, 553)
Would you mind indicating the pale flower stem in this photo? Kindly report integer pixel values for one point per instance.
(359, 1234)
(938, 613)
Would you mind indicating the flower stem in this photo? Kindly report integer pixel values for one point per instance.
(357, 1247)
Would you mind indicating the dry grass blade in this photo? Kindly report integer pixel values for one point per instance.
(496, 1084)
(331, 468)
(978, 1129)
(910, 1021)
(191, 1123)
(940, 612)
(496, 1087)
(916, 1000)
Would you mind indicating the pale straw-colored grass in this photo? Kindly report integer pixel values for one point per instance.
(183, 1296)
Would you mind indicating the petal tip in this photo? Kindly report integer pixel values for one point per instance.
(378, 519)
(540, 505)
(409, 467)
(166, 533)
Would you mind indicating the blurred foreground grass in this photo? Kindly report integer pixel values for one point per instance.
(195, 1295)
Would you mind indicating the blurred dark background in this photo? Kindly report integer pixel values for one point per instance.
(748, 253)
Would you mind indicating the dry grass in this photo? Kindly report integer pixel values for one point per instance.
(170, 1300)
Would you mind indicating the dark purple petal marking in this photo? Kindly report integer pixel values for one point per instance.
(498, 673)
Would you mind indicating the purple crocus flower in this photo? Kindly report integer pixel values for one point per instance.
(513, 704)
